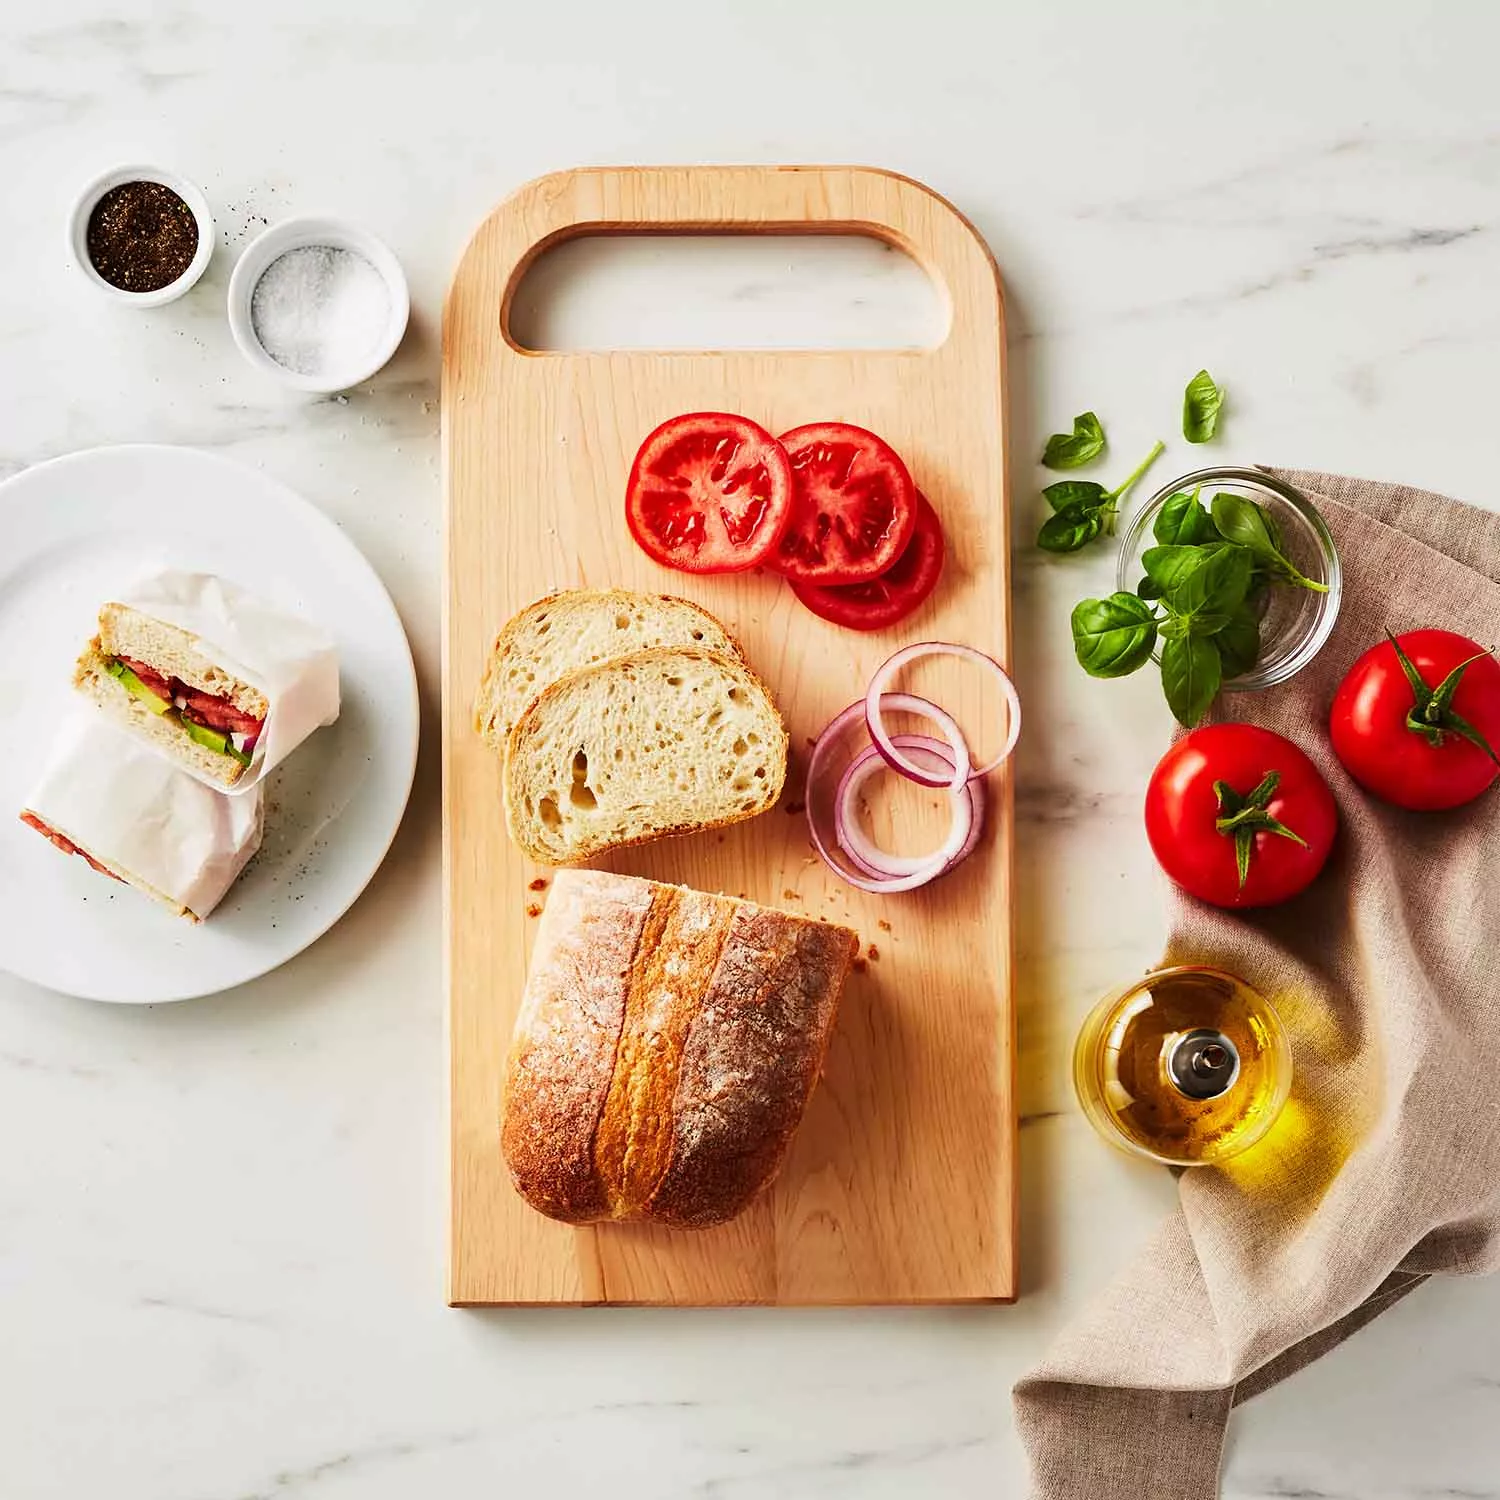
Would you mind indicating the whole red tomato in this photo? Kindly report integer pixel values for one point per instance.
(1419, 732)
(1239, 816)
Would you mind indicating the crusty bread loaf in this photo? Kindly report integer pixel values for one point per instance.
(668, 740)
(172, 652)
(92, 678)
(578, 628)
(665, 1050)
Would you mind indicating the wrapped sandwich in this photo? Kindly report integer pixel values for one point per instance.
(222, 684)
(138, 819)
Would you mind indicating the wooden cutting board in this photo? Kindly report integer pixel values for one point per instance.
(901, 1185)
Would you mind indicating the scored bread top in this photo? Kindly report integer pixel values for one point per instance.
(578, 628)
(667, 1044)
(669, 740)
(174, 652)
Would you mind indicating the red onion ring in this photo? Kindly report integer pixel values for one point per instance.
(878, 698)
(860, 877)
(874, 860)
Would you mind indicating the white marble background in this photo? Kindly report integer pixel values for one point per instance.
(221, 1223)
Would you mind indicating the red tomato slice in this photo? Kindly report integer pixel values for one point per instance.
(1379, 748)
(709, 492)
(854, 505)
(896, 593)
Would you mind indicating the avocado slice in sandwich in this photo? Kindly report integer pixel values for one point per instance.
(136, 688)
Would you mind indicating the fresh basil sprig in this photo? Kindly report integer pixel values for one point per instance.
(1199, 601)
(1082, 509)
(1201, 403)
(1252, 526)
(1072, 450)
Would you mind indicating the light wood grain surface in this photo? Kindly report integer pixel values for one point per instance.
(901, 1186)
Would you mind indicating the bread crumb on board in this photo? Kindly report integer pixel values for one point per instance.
(883, 925)
(788, 894)
(874, 954)
(539, 884)
(533, 910)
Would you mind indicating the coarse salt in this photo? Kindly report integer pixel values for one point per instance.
(320, 309)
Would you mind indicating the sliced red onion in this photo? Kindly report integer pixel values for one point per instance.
(878, 698)
(861, 876)
(865, 853)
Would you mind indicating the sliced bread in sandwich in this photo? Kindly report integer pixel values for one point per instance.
(668, 740)
(140, 716)
(579, 628)
(169, 659)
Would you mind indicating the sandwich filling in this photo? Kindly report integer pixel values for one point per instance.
(211, 721)
(64, 843)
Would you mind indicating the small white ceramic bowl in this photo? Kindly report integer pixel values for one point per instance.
(293, 234)
(83, 208)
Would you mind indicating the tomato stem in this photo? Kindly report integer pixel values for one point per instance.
(1243, 815)
(1432, 714)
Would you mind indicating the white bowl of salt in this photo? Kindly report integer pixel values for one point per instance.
(318, 303)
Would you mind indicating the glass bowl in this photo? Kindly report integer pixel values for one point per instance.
(1189, 1066)
(1295, 622)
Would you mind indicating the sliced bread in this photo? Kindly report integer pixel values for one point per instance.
(92, 678)
(578, 628)
(174, 652)
(668, 740)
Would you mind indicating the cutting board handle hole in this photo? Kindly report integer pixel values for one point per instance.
(725, 291)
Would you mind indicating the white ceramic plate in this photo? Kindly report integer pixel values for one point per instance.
(72, 533)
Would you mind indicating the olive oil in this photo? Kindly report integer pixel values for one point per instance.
(1189, 1066)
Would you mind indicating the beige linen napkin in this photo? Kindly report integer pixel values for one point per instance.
(1387, 1166)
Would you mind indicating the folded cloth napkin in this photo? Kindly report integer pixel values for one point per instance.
(1386, 1167)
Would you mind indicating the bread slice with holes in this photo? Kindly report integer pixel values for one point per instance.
(669, 740)
(578, 628)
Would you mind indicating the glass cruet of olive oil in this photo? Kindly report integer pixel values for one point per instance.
(1188, 1066)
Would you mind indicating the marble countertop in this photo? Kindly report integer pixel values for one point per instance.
(221, 1223)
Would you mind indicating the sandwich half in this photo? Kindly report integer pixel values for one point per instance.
(137, 818)
(157, 681)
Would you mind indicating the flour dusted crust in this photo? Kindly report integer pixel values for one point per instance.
(667, 1045)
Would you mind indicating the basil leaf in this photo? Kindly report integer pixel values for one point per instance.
(1148, 588)
(1190, 677)
(1113, 637)
(1239, 642)
(1071, 528)
(1247, 524)
(1068, 492)
(1201, 403)
(1207, 621)
(1174, 627)
(1182, 521)
(1219, 582)
(1166, 567)
(1071, 450)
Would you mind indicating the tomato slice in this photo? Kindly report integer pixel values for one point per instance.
(854, 505)
(709, 492)
(896, 593)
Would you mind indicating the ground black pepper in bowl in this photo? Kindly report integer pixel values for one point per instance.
(141, 236)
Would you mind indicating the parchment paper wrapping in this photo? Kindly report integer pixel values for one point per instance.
(294, 663)
(114, 797)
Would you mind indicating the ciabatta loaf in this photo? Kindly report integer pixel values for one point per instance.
(579, 628)
(667, 1044)
(668, 740)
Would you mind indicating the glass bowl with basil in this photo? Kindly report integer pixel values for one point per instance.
(1227, 579)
